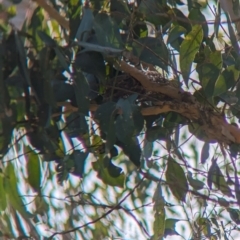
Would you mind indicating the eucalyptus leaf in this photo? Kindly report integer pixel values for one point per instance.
(79, 159)
(103, 115)
(205, 152)
(108, 172)
(12, 193)
(188, 50)
(132, 149)
(156, 53)
(234, 214)
(176, 179)
(208, 75)
(47, 39)
(174, 37)
(147, 149)
(159, 214)
(107, 31)
(107, 51)
(3, 197)
(216, 177)
(170, 225)
(156, 133)
(195, 183)
(74, 11)
(86, 25)
(226, 80)
(92, 63)
(124, 121)
(81, 89)
(196, 15)
(33, 169)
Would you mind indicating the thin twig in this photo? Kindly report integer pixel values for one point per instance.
(99, 218)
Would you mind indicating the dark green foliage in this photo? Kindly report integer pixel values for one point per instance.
(155, 54)
(176, 179)
(81, 134)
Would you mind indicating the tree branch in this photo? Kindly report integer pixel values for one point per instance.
(212, 124)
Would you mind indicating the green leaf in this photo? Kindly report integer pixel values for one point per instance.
(204, 224)
(62, 59)
(170, 227)
(184, 22)
(6, 128)
(223, 202)
(232, 34)
(76, 125)
(217, 20)
(106, 51)
(47, 91)
(103, 115)
(3, 199)
(174, 37)
(156, 133)
(188, 50)
(4, 95)
(155, 52)
(22, 59)
(11, 189)
(74, 11)
(129, 121)
(107, 31)
(111, 133)
(79, 159)
(159, 214)
(205, 152)
(208, 75)
(47, 39)
(119, 6)
(140, 30)
(124, 121)
(234, 214)
(93, 63)
(37, 23)
(226, 80)
(216, 177)
(230, 98)
(138, 119)
(214, 57)
(175, 33)
(132, 149)
(86, 25)
(196, 184)
(97, 143)
(6, 228)
(172, 120)
(176, 179)
(196, 15)
(108, 172)
(33, 169)
(147, 148)
(150, 11)
(81, 89)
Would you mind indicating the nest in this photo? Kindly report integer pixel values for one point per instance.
(124, 85)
